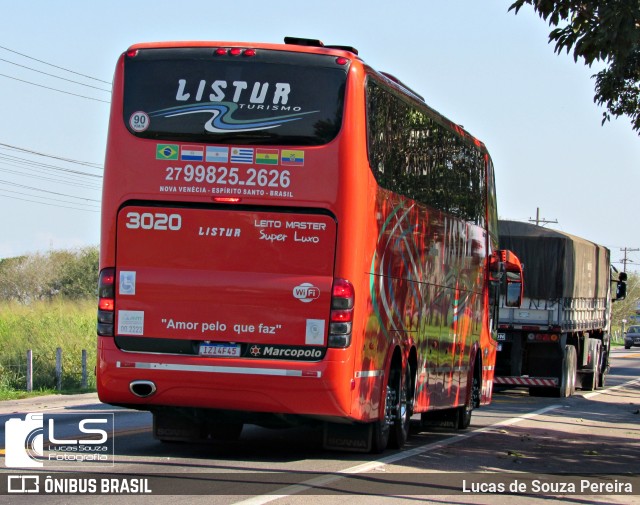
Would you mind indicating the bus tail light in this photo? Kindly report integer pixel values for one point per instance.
(234, 51)
(226, 199)
(341, 321)
(106, 301)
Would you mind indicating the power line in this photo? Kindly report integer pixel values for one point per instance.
(70, 160)
(48, 191)
(17, 160)
(60, 179)
(55, 76)
(48, 204)
(54, 89)
(54, 66)
(47, 198)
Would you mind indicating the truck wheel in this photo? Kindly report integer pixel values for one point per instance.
(604, 366)
(590, 380)
(568, 379)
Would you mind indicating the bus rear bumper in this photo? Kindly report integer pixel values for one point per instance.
(315, 389)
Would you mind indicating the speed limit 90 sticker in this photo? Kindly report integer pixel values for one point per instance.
(139, 121)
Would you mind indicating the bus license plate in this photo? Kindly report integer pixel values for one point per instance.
(230, 350)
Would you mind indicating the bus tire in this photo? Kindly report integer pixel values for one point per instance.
(403, 412)
(568, 378)
(464, 413)
(381, 428)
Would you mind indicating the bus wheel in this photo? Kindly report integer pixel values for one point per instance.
(463, 420)
(382, 427)
(403, 413)
(568, 379)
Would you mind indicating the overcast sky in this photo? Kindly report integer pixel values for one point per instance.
(474, 62)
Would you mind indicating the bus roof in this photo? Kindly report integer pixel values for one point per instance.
(301, 45)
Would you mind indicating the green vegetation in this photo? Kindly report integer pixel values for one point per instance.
(600, 31)
(47, 301)
(626, 309)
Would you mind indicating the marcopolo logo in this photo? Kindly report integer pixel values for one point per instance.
(55, 440)
(306, 292)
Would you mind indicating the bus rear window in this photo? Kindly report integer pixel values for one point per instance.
(273, 97)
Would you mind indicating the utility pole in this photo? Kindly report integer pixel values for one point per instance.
(625, 260)
(537, 220)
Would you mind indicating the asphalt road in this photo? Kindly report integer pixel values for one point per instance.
(519, 444)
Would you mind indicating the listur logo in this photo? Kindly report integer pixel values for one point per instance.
(306, 292)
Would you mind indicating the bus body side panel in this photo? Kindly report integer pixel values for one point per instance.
(426, 289)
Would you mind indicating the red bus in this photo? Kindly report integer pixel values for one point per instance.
(291, 236)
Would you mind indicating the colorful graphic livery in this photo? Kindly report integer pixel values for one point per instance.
(291, 236)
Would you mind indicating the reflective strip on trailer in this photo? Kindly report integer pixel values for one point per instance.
(527, 381)
(221, 369)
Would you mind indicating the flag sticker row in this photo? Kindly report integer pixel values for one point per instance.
(237, 155)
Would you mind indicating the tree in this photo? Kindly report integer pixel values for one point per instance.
(71, 275)
(625, 309)
(600, 30)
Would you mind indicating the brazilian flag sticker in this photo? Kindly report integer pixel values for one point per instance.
(167, 152)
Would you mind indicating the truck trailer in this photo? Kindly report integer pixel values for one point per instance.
(557, 340)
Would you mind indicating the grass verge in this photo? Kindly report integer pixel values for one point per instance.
(43, 327)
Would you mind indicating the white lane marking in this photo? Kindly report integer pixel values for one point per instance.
(606, 389)
(372, 465)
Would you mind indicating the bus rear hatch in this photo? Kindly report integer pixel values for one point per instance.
(224, 282)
